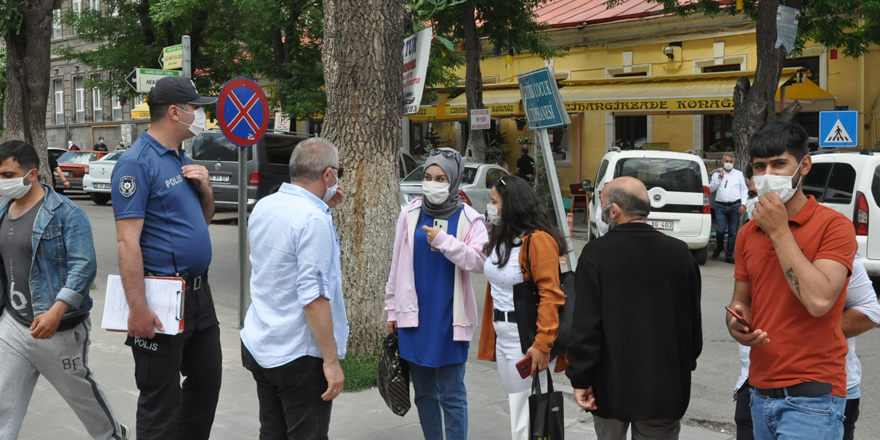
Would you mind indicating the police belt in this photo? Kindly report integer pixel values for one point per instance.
(193, 283)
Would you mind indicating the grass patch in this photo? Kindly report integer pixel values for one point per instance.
(360, 371)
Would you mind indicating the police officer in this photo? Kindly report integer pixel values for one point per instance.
(163, 205)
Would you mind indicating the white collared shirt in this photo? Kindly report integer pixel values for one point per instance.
(731, 188)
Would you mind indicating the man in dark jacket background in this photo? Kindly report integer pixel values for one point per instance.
(638, 332)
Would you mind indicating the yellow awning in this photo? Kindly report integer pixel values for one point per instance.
(432, 110)
(141, 112)
(698, 93)
(810, 96)
(499, 101)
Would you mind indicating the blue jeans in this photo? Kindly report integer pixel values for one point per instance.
(727, 219)
(441, 391)
(793, 418)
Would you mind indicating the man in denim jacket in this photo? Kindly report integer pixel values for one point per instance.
(47, 264)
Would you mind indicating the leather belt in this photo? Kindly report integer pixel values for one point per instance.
(498, 315)
(806, 389)
(728, 203)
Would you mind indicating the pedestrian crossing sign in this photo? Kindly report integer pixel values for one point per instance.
(839, 129)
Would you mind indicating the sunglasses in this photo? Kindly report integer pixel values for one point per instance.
(339, 171)
(446, 153)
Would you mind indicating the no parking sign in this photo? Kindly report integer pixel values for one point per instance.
(243, 112)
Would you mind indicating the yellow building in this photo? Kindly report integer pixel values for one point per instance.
(634, 78)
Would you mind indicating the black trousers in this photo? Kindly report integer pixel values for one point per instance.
(743, 416)
(290, 398)
(167, 410)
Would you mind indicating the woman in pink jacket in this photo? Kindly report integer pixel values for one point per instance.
(429, 298)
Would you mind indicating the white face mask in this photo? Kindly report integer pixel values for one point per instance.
(14, 188)
(331, 191)
(769, 183)
(750, 206)
(492, 214)
(728, 166)
(435, 192)
(198, 124)
(600, 221)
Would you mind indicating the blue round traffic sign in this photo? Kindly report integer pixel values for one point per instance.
(243, 112)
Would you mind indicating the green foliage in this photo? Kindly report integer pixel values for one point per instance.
(11, 17)
(495, 151)
(833, 23)
(360, 371)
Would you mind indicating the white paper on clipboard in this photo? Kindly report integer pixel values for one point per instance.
(165, 296)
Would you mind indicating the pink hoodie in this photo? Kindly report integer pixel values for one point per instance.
(401, 301)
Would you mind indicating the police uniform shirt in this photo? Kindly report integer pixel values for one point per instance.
(148, 183)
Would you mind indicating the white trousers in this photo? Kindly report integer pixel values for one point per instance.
(508, 352)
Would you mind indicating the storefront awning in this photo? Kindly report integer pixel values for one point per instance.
(682, 94)
(810, 96)
(141, 112)
(431, 110)
(500, 101)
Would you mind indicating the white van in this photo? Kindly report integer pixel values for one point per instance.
(678, 186)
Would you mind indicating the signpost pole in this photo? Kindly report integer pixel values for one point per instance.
(187, 58)
(243, 301)
(556, 194)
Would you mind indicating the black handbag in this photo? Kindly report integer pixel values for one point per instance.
(393, 377)
(525, 305)
(546, 417)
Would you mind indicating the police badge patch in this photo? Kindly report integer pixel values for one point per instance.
(127, 186)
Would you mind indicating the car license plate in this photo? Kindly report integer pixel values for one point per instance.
(67, 173)
(219, 178)
(101, 185)
(662, 226)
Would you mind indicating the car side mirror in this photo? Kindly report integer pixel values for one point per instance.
(587, 186)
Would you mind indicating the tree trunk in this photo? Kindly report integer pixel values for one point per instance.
(27, 80)
(363, 61)
(473, 86)
(755, 105)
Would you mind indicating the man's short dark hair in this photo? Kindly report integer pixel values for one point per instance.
(631, 204)
(779, 137)
(159, 111)
(22, 152)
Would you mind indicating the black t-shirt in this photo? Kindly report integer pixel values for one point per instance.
(100, 147)
(526, 166)
(52, 165)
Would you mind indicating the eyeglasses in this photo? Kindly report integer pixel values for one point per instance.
(446, 153)
(339, 171)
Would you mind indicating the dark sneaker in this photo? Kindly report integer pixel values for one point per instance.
(729, 260)
(717, 251)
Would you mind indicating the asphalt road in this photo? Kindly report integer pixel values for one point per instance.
(717, 369)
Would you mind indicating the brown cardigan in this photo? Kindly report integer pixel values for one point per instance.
(545, 268)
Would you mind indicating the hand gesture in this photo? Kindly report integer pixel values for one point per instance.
(340, 194)
(585, 398)
(770, 213)
(741, 333)
(141, 322)
(432, 233)
(199, 174)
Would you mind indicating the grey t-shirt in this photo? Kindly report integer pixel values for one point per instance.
(17, 250)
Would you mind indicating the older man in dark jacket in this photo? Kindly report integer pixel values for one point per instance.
(638, 332)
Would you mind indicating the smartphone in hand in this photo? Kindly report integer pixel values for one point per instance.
(443, 225)
(524, 367)
(739, 319)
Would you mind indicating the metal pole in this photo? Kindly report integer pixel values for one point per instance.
(242, 236)
(187, 57)
(556, 193)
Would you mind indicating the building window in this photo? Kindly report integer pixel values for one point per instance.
(117, 109)
(630, 132)
(722, 68)
(138, 100)
(59, 101)
(77, 6)
(810, 63)
(97, 101)
(560, 144)
(56, 24)
(95, 5)
(717, 133)
(79, 99)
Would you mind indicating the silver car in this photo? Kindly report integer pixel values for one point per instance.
(475, 188)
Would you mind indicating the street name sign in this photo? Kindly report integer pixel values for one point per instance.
(481, 119)
(541, 100)
(172, 57)
(839, 129)
(143, 79)
(243, 112)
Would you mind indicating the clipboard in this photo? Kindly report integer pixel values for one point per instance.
(164, 295)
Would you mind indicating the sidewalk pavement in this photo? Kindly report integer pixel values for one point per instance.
(356, 415)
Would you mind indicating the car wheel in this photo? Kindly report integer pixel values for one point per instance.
(100, 198)
(701, 255)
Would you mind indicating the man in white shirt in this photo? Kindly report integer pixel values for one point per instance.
(730, 190)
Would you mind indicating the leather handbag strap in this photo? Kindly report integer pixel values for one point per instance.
(528, 268)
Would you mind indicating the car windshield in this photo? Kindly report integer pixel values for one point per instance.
(470, 174)
(678, 175)
(77, 157)
(215, 147)
(112, 156)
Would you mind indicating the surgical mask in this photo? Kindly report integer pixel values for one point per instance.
(492, 214)
(769, 183)
(14, 188)
(728, 166)
(331, 191)
(750, 206)
(604, 226)
(436, 192)
(198, 124)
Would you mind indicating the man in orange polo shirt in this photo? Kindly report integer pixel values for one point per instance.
(792, 264)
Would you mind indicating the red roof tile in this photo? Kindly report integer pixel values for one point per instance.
(571, 13)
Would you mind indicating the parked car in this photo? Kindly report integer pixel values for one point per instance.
(475, 188)
(678, 186)
(73, 164)
(96, 181)
(56, 152)
(849, 182)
